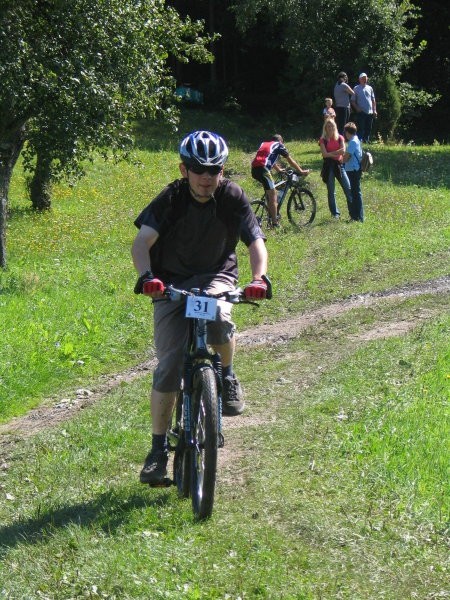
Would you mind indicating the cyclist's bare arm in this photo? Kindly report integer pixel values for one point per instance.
(258, 258)
(144, 240)
(297, 167)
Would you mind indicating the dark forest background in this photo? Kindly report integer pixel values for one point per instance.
(256, 71)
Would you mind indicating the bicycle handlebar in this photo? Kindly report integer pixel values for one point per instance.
(235, 296)
(292, 177)
(291, 172)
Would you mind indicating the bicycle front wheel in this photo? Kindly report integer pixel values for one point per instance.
(301, 208)
(205, 434)
(259, 207)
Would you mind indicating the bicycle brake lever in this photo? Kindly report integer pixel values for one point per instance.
(174, 294)
(234, 297)
(237, 296)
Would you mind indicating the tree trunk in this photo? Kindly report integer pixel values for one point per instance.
(10, 148)
(40, 186)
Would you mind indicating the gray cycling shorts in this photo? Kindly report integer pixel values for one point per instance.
(171, 331)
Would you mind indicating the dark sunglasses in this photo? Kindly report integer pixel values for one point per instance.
(211, 170)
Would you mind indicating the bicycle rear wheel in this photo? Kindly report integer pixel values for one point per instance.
(182, 457)
(301, 208)
(205, 434)
(261, 211)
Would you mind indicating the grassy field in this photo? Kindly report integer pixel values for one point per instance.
(67, 309)
(333, 484)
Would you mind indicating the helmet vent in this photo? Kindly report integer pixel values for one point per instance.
(204, 148)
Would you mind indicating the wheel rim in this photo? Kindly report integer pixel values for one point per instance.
(199, 461)
(302, 208)
(204, 453)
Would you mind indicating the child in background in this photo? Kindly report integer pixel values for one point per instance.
(328, 111)
(352, 160)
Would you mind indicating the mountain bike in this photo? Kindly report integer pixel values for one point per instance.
(195, 434)
(301, 204)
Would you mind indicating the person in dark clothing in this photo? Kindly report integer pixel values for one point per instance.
(188, 236)
(342, 95)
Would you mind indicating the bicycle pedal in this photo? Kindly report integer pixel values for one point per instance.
(173, 437)
(164, 483)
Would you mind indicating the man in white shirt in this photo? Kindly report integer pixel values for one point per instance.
(364, 103)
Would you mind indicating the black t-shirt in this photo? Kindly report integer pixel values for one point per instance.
(198, 238)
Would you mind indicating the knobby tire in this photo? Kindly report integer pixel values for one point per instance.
(301, 208)
(204, 453)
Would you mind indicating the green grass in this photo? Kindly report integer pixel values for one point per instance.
(66, 304)
(333, 485)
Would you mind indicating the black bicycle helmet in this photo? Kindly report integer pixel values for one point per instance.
(203, 148)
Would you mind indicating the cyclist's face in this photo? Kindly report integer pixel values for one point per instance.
(202, 185)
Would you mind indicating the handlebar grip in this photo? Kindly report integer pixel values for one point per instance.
(153, 286)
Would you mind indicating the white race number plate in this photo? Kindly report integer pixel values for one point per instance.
(201, 307)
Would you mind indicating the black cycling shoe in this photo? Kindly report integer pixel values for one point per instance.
(154, 471)
(233, 402)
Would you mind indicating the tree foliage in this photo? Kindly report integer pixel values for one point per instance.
(330, 34)
(323, 37)
(389, 101)
(74, 75)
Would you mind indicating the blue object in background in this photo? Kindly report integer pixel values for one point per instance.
(189, 95)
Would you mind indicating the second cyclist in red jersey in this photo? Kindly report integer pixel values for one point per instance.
(265, 160)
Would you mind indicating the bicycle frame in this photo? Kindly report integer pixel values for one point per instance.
(289, 180)
(196, 431)
(197, 434)
(197, 352)
(301, 204)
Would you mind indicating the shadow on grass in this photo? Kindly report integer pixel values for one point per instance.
(19, 211)
(107, 512)
(427, 167)
(241, 131)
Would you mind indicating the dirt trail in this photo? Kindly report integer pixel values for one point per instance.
(55, 411)
(285, 330)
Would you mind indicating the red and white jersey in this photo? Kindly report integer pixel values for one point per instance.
(268, 154)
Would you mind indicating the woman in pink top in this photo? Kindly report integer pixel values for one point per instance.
(332, 146)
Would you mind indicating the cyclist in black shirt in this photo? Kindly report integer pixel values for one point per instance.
(188, 236)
